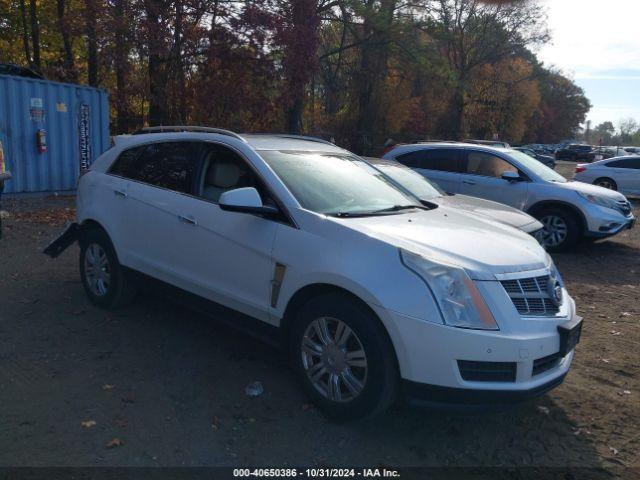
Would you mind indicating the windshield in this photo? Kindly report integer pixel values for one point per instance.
(417, 184)
(335, 184)
(537, 168)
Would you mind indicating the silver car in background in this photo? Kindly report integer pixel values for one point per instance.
(568, 210)
(429, 192)
(620, 173)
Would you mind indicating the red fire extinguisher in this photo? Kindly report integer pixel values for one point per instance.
(41, 140)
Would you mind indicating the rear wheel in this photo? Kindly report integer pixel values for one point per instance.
(105, 281)
(606, 183)
(561, 228)
(343, 357)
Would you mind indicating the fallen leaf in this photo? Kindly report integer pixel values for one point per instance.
(116, 442)
(544, 410)
(625, 314)
(88, 423)
(107, 386)
(614, 450)
(605, 360)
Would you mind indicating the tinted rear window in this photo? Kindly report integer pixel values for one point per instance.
(444, 160)
(170, 165)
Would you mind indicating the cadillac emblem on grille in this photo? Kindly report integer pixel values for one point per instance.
(555, 291)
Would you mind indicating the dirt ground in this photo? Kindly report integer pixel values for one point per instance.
(158, 385)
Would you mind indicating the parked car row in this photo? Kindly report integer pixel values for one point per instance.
(376, 282)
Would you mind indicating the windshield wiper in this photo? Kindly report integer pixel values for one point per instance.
(397, 208)
(372, 213)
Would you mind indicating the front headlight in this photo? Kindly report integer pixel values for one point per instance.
(598, 200)
(460, 302)
(553, 271)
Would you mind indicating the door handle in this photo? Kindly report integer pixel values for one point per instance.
(468, 182)
(188, 219)
(120, 193)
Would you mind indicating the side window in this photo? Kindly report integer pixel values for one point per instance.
(633, 163)
(411, 159)
(125, 164)
(224, 170)
(444, 160)
(170, 165)
(487, 165)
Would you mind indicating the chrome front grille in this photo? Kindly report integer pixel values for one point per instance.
(531, 296)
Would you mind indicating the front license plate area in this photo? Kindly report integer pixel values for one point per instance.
(569, 336)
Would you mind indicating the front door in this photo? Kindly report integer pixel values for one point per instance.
(227, 256)
(482, 177)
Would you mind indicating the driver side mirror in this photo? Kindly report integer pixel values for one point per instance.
(511, 176)
(245, 200)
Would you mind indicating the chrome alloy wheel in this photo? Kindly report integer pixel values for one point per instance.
(555, 230)
(334, 359)
(97, 270)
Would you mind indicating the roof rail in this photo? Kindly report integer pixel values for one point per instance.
(187, 128)
(296, 137)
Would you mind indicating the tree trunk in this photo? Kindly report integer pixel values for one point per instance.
(92, 42)
(121, 68)
(158, 114)
(373, 72)
(35, 34)
(178, 65)
(69, 67)
(25, 33)
(301, 46)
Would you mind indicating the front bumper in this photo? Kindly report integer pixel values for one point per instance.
(462, 399)
(606, 222)
(429, 356)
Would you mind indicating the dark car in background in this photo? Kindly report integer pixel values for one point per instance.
(547, 160)
(604, 153)
(574, 152)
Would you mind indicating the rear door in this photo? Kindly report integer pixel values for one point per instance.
(482, 177)
(440, 165)
(162, 181)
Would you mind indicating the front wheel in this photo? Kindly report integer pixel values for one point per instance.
(105, 281)
(343, 357)
(561, 229)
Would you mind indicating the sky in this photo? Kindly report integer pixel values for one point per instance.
(597, 43)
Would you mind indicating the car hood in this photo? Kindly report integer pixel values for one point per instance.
(587, 188)
(481, 246)
(493, 210)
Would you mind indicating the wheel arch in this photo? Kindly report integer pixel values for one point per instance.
(537, 207)
(90, 224)
(605, 177)
(307, 292)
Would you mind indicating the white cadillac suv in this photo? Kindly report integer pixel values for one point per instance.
(372, 293)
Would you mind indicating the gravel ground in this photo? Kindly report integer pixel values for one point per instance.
(158, 385)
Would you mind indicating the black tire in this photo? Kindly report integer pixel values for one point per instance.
(120, 290)
(381, 385)
(606, 182)
(570, 219)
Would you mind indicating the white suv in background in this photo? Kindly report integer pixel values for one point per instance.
(568, 210)
(372, 293)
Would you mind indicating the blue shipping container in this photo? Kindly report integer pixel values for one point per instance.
(75, 120)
